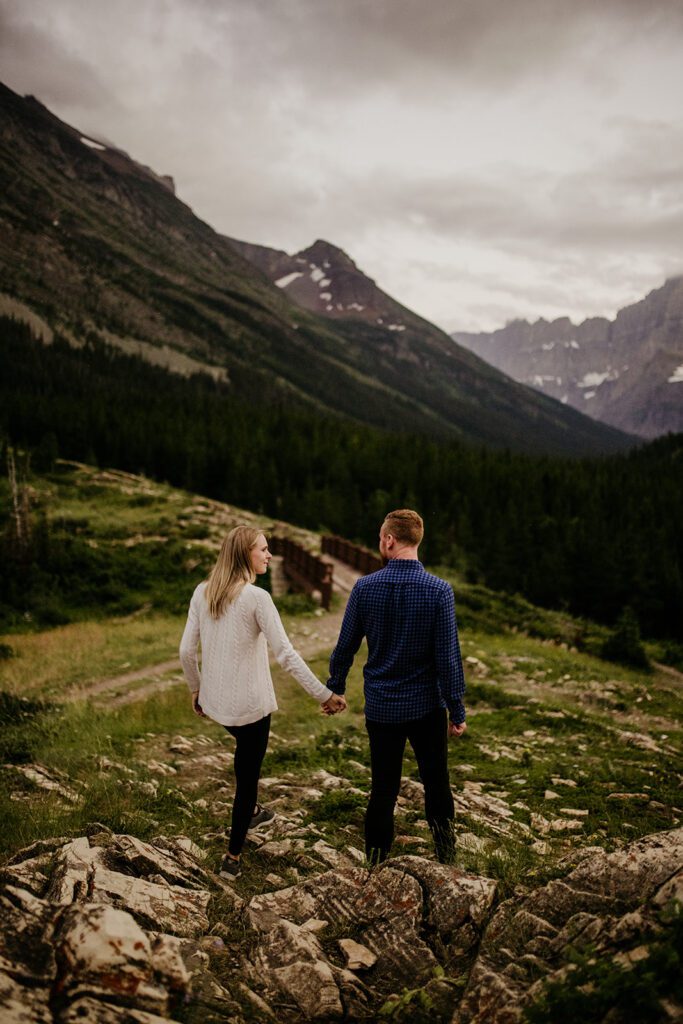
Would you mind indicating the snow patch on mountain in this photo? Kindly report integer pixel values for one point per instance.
(283, 282)
(594, 380)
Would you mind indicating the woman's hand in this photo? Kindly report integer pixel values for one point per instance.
(333, 705)
(196, 706)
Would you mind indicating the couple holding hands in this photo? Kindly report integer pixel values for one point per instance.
(414, 682)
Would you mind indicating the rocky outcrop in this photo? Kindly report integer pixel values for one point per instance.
(610, 904)
(113, 930)
(106, 928)
(109, 928)
(402, 913)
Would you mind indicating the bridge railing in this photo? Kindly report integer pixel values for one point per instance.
(352, 554)
(305, 570)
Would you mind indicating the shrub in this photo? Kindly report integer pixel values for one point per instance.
(624, 644)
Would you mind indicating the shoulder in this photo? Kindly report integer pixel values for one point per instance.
(256, 596)
(439, 586)
(371, 580)
(199, 592)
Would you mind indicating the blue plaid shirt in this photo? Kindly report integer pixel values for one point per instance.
(414, 663)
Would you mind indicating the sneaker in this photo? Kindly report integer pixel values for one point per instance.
(260, 816)
(229, 868)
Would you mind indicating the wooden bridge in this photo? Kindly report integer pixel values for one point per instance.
(318, 576)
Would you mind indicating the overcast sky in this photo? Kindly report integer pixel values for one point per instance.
(480, 159)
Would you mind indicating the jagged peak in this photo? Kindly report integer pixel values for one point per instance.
(322, 251)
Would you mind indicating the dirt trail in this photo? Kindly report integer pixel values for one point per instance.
(310, 637)
(102, 685)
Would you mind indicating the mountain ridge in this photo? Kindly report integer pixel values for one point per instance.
(622, 371)
(325, 280)
(99, 246)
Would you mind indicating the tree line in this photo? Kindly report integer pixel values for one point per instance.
(592, 535)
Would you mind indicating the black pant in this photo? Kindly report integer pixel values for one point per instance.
(252, 741)
(428, 736)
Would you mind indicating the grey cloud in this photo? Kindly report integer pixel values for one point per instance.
(413, 47)
(615, 203)
(238, 99)
(35, 62)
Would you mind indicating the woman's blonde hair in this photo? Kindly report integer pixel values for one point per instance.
(232, 569)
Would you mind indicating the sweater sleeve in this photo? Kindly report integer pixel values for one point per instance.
(271, 626)
(189, 645)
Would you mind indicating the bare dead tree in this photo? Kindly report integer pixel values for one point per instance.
(21, 511)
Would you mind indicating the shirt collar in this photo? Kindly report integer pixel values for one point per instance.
(403, 566)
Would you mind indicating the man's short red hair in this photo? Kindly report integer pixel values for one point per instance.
(405, 525)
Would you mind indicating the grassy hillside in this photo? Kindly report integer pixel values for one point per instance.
(564, 750)
(539, 708)
(119, 544)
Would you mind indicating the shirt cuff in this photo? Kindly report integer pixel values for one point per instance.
(336, 686)
(457, 713)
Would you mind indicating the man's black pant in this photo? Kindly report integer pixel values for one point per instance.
(428, 736)
(252, 741)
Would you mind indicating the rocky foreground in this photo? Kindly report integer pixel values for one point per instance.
(106, 928)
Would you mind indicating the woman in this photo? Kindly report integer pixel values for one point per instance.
(234, 619)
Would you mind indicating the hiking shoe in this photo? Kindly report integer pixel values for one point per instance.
(229, 868)
(260, 816)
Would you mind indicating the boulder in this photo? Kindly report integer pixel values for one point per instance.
(608, 902)
(108, 930)
(103, 949)
(393, 910)
(291, 959)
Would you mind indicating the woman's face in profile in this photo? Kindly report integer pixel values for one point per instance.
(260, 555)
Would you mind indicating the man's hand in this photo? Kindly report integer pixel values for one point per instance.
(455, 731)
(196, 706)
(334, 705)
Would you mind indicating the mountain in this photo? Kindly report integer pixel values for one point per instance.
(627, 372)
(325, 280)
(96, 246)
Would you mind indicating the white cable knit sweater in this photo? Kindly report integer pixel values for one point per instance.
(235, 686)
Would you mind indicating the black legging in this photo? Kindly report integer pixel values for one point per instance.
(252, 741)
(428, 736)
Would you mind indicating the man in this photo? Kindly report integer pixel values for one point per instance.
(413, 680)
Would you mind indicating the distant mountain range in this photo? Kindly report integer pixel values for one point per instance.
(94, 245)
(627, 372)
